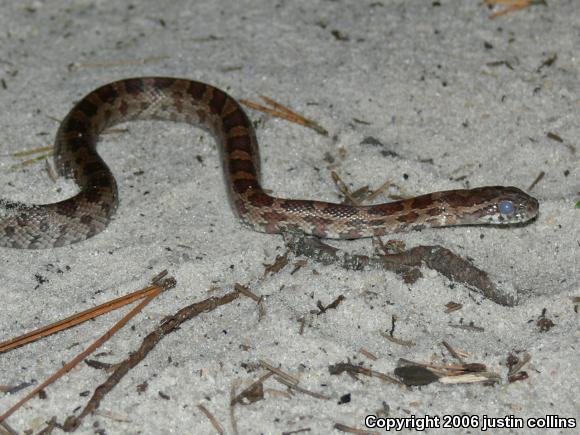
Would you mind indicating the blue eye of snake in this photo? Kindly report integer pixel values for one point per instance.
(506, 207)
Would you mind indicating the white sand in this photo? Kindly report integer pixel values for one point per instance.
(419, 74)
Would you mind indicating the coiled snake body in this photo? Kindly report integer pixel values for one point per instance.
(28, 226)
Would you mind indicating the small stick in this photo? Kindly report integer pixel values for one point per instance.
(408, 343)
(452, 351)
(337, 369)
(247, 292)
(536, 181)
(379, 190)
(26, 153)
(283, 112)
(77, 319)
(288, 378)
(29, 162)
(368, 354)
(512, 5)
(218, 427)
(168, 326)
(232, 414)
(70, 365)
(343, 188)
(302, 390)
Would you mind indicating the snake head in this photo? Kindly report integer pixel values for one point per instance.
(501, 205)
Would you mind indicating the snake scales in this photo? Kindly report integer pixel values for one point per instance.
(27, 226)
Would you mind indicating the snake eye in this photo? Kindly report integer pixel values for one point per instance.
(506, 207)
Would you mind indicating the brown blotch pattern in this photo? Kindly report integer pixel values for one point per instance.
(87, 108)
(76, 143)
(196, 90)
(93, 167)
(434, 211)
(124, 108)
(102, 180)
(408, 217)
(66, 208)
(386, 209)
(217, 102)
(459, 198)
(163, 82)
(133, 86)
(260, 199)
(86, 219)
(246, 166)
(241, 143)
(241, 186)
(274, 216)
(92, 195)
(234, 119)
(240, 155)
(422, 201)
(107, 94)
(79, 126)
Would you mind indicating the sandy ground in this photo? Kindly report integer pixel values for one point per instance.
(450, 98)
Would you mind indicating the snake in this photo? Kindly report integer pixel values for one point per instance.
(87, 213)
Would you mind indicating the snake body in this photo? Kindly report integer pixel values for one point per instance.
(27, 226)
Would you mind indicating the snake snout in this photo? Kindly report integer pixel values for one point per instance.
(532, 208)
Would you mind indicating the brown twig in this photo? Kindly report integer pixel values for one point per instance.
(294, 387)
(77, 319)
(70, 365)
(407, 264)
(536, 181)
(364, 194)
(218, 427)
(247, 292)
(168, 326)
(233, 420)
(36, 150)
(368, 354)
(512, 5)
(282, 374)
(407, 343)
(29, 162)
(339, 368)
(343, 188)
(283, 112)
(452, 351)
(452, 306)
